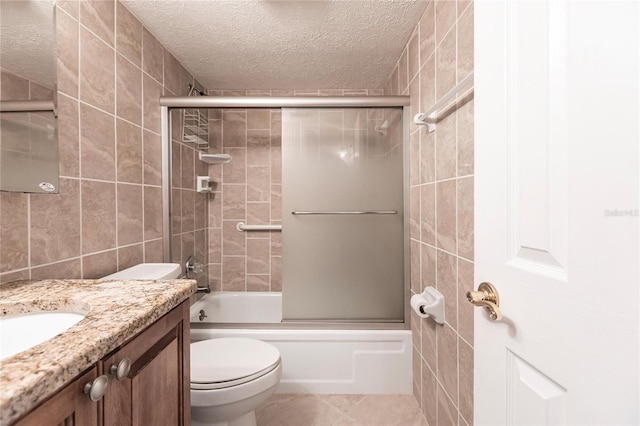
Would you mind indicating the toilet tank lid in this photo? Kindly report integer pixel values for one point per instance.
(148, 271)
(230, 358)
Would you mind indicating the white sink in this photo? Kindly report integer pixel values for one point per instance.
(22, 331)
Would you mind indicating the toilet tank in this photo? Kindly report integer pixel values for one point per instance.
(148, 271)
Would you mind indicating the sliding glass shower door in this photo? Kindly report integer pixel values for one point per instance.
(343, 215)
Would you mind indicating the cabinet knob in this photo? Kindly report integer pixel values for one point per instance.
(121, 370)
(97, 388)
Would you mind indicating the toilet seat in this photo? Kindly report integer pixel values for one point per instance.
(230, 361)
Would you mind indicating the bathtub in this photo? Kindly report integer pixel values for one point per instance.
(319, 361)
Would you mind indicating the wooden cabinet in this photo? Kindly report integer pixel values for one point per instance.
(155, 390)
(69, 407)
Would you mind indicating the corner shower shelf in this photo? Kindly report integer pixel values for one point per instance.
(195, 128)
(214, 158)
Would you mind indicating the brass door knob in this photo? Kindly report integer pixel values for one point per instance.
(487, 297)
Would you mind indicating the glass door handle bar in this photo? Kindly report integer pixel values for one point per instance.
(349, 212)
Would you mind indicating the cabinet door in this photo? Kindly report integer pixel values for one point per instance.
(156, 389)
(69, 407)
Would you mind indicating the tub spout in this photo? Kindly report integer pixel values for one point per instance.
(204, 289)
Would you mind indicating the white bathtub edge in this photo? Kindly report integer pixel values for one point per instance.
(335, 361)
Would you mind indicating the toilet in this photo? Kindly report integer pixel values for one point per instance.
(148, 271)
(230, 377)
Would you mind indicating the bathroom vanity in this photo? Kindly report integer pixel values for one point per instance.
(126, 362)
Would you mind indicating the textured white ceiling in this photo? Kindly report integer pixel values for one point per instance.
(27, 40)
(273, 44)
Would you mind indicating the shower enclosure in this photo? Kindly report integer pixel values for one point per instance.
(344, 184)
(343, 215)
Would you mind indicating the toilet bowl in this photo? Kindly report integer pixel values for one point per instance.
(230, 378)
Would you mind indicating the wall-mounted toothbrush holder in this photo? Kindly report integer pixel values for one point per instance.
(429, 303)
(203, 184)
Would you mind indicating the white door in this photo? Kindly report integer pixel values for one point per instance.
(557, 187)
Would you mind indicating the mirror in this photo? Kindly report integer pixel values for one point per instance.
(28, 126)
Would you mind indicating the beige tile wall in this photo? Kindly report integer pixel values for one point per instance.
(107, 216)
(249, 190)
(439, 54)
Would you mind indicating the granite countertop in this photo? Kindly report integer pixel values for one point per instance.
(115, 312)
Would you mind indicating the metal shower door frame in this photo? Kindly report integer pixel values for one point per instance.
(168, 103)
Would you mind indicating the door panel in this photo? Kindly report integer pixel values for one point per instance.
(536, 139)
(155, 389)
(532, 397)
(343, 247)
(557, 189)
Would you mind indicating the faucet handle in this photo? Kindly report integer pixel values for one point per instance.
(191, 267)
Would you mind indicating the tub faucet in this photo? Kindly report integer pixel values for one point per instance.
(191, 268)
(204, 289)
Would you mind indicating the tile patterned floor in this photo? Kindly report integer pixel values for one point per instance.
(340, 410)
